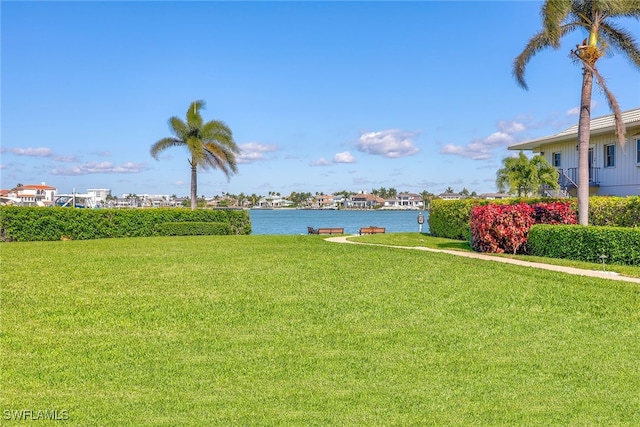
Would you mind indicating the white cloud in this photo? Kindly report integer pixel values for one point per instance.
(482, 148)
(32, 152)
(320, 162)
(391, 143)
(66, 159)
(344, 157)
(253, 152)
(511, 127)
(100, 167)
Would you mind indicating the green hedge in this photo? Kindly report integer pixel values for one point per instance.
(194, 228)
(615, 211)
(22, 224)
(621, 245)
(451, 218)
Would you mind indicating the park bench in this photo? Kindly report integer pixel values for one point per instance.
(330, 231)
(312, 230)
(372, 230)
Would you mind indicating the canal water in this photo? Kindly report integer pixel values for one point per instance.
(296, 221)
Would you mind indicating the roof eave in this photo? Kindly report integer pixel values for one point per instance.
(536, 144)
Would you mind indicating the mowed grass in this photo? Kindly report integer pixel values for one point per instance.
(417, 239)
(294, 330)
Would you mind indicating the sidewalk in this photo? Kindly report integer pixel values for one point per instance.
(477, 255)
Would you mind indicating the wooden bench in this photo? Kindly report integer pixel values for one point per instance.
(330, 231)
(372, 230)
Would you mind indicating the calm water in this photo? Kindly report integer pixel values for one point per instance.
(296, 221)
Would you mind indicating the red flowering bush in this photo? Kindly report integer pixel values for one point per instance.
(554, 213)
(504, 228)
(501, 228)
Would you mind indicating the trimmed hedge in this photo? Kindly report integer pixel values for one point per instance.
(21, 224)
(615, 211)
(621, 245)
(452, 218)
(194, 229)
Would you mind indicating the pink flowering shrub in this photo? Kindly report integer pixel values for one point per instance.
(504, 228)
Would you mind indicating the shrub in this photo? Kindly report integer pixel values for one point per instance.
(555, 213)
(501, 228)
(450, 218)
(37, 223)
(504, 228)
(614, 211)
(621, 245)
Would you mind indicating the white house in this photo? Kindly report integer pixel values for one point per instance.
(364, 201)
(405, 201)
(100, 195)
(35, 195)
(450, 196)
(613, 170)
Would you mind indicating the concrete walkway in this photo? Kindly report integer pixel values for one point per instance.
(477, 255)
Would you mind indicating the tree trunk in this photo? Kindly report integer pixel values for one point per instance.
(194, 186)
(584, 134)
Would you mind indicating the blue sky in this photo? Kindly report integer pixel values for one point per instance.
(321, 96)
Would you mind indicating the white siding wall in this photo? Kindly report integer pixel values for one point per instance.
(621, 180)
(624, 178)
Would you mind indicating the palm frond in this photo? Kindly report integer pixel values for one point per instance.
(615, 108)
(178, 127)
(216, 129)
(620, 39)
(535, 45)
(554, 13)
(219, 158)
(194, 118)
(163, 144)
(619, 8)
(196, 149)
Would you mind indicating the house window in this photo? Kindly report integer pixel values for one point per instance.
(638, 151)
(609, 156)
(556, 159)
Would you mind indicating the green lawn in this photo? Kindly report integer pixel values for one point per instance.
(416, 239)
(293, 330)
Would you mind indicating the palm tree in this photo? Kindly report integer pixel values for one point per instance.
(561, 17)
(524, 177)
(210, 145)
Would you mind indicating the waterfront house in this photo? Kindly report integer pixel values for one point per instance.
(613, 170)
(34, 195)
(326, 201)
(365, 201)
(405, 201)
(450, 196)
(270, 202)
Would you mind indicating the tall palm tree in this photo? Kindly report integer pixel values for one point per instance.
(562, 17)
(524, 177)
(209, 144)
